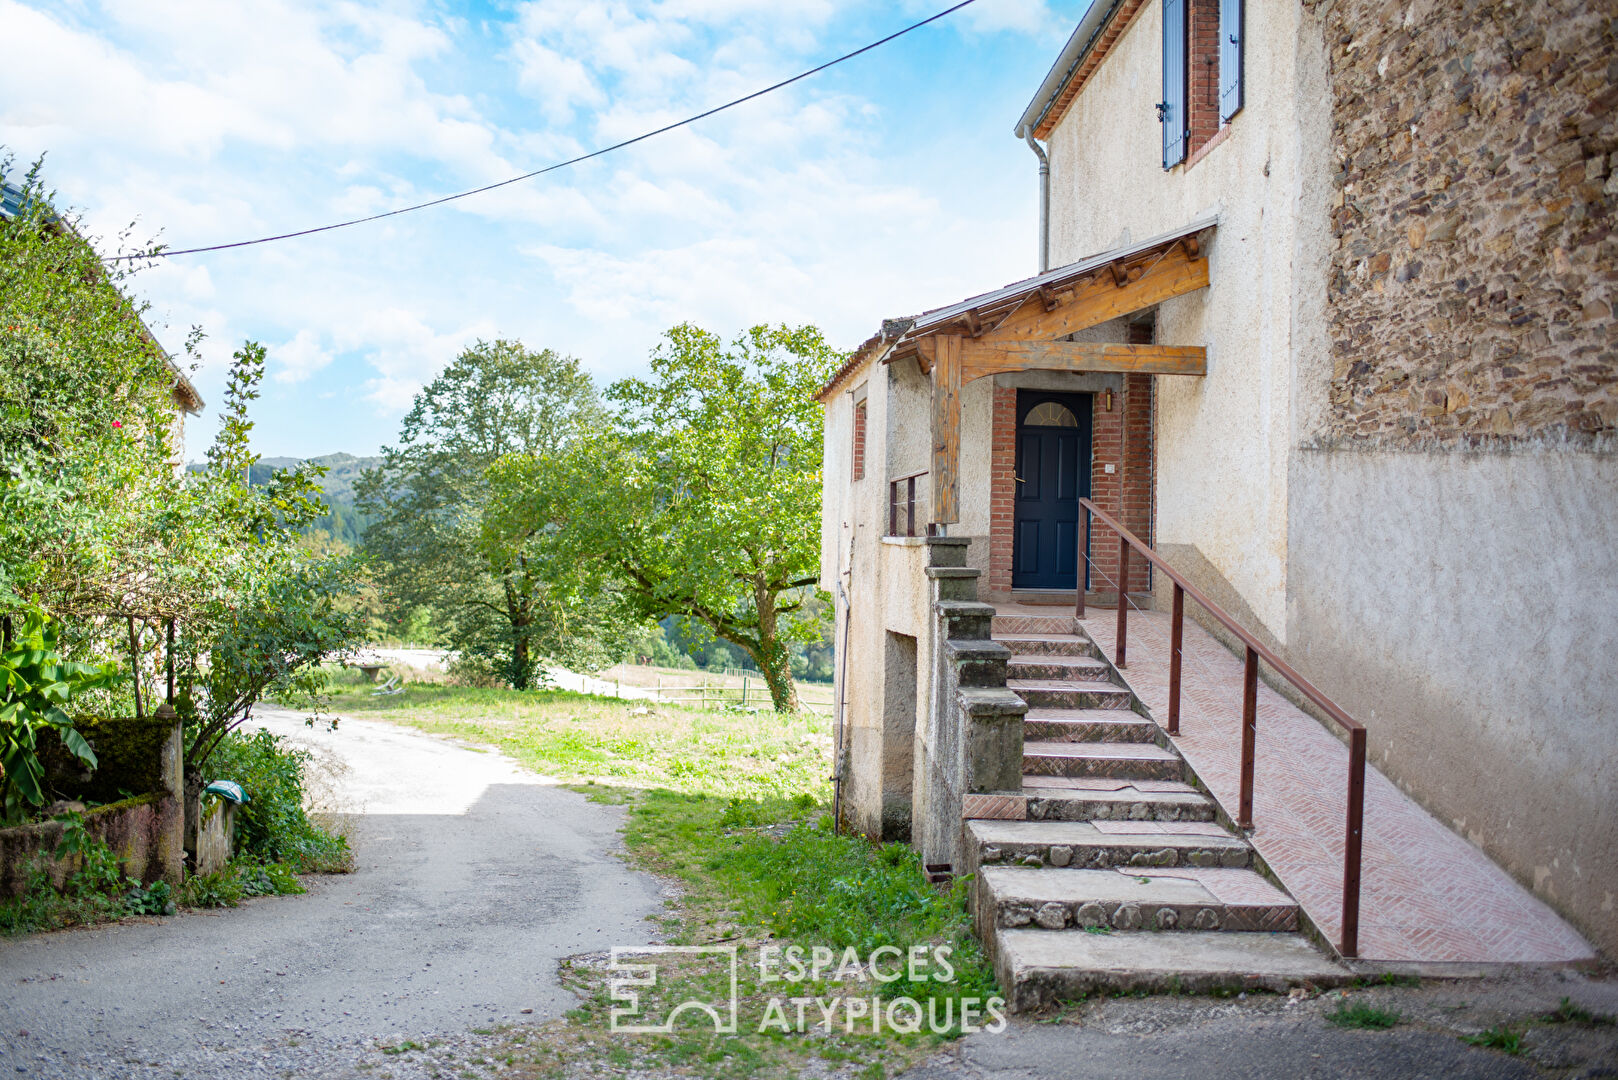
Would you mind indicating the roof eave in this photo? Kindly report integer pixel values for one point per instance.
(1067, 64)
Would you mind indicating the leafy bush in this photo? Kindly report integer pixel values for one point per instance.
(238, 879)
(35, 685)
(273, 826)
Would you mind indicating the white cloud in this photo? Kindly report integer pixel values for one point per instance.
(405, 352)
(222, 121)
(298, 359)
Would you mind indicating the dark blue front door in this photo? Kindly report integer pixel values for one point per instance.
(1053, 473)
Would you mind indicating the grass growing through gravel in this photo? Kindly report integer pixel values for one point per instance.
(1504, 1039)
(733, 807)
(1357, 1014)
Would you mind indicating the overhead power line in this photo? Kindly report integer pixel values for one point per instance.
(560, 164)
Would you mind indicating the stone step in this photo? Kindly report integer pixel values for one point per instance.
(1038, 968)
(1012, 625)
(1049, 645)
(1102, 845)
(1113, 760)
(1069, 694)
(1090, 725)
(1070, 668)
(1057, 798)
(1162, 899)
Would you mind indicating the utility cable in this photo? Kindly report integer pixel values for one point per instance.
(560, 164)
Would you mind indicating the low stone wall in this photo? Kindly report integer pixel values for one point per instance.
(144, 832)
(216, 832)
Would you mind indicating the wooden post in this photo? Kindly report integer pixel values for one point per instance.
(1176, 636)
(947, 429)
(168, 658)
(134, 666)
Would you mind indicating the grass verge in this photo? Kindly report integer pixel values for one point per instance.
(732, 807)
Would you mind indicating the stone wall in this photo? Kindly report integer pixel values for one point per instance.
(1474, 272)
(144, 832)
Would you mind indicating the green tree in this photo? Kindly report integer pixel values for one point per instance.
(703, 501)
(275, 607)
(493, 591)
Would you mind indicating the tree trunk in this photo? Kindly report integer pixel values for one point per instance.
(774, 662)
(519, 658)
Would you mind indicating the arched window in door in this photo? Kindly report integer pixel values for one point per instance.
(1051, 414)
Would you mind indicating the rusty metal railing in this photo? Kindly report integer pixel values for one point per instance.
(1256, 650)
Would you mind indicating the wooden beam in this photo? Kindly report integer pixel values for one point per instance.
(947, 429)
(925, 351)
(980, 358)
(1100, 299)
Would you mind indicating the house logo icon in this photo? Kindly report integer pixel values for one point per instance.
(633, 978)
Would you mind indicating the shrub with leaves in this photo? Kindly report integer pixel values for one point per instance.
(36, 687)
(273, 825)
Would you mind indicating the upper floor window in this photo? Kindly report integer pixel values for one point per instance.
(1202, 73)
(859, 441)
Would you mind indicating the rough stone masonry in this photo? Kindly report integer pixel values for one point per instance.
(1472, 284)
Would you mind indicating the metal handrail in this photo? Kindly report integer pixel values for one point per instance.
(1255, 651)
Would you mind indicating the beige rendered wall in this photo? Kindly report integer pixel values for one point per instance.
(885, 585)
(1221, 439)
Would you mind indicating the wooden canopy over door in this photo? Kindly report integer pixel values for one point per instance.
(1025, 330)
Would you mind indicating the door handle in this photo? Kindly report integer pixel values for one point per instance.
(1019, 479)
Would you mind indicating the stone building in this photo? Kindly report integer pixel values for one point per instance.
(1324, 317)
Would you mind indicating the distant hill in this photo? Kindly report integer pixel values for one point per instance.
(343, 521)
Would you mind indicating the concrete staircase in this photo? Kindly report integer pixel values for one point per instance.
(1120, 876)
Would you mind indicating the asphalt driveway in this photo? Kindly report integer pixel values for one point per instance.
(473, 877)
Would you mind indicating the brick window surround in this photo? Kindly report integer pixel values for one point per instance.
(1121, 437)
(859, 441)
(1202, 73)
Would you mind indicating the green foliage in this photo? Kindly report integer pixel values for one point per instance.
(97, 526)
(703, 500)
(273, 826)
(1568, 1011)
(237, 880)
(500, 597)
(154, 899)
(1358, 1014)
(36, 687)
(1505, 1039)
(278, 610)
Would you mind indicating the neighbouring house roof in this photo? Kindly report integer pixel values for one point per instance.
(979, 314)
(1100, 28)
(11, 205)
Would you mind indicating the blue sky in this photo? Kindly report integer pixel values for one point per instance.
(885, 186)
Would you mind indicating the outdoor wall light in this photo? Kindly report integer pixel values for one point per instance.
(1106, 401)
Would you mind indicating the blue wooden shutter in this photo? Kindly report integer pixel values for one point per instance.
(1171, 110)
(1230, 58)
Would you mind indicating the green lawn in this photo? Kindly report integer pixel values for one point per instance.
(733, 807)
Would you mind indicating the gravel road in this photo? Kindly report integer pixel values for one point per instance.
(472, 879)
